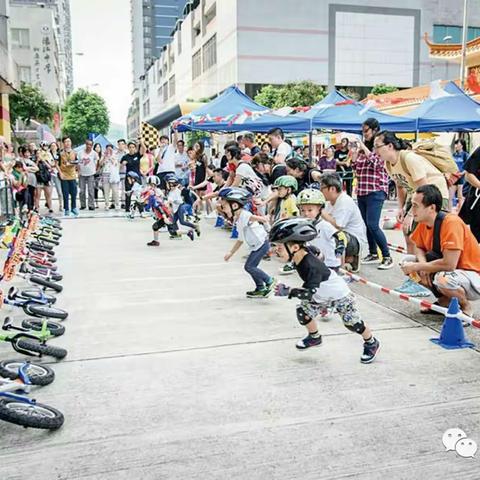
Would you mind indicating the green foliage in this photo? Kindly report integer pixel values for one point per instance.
(268, 96)
(30, 103)
(297, 94)
(349, 92)
(195, 136)
(381, 88)
(85, 112)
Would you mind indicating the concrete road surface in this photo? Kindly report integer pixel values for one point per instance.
(173, 374)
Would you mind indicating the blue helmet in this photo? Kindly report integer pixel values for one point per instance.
(171, 178)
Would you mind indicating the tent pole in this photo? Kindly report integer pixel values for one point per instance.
(310, 144)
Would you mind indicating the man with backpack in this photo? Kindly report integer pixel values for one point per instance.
(446, 252)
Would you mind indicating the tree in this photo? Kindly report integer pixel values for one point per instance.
(381, 88)
(85, 113)
(296, 94)
(30, 104)
(268, 96)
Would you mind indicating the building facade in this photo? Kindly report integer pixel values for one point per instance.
(63, 31)
(331, 42)
(8, 72)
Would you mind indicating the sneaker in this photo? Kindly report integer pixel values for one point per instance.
(270, 286)
(75, 212)
(83, 208)
(369, 259)
(257, 293)
(91, 208)
(308, 342)
(66, 213)
(153, 243)
(175, 237)
(287, 269)
(197, 231)
(370, 351)
(387, 263)
(112, 207)
(409, 287)
(191, 235)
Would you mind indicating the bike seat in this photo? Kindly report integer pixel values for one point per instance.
(7, 323)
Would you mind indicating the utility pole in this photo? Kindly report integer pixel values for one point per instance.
(464, 44)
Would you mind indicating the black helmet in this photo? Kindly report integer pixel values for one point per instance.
(293, 230)
(238, 195)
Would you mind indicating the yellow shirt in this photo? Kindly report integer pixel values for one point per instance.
(288, 207)
(413, 168)
(68, 170)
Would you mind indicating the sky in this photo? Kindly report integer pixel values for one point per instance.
(101, 31)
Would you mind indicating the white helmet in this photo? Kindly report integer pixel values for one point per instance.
(153, 179)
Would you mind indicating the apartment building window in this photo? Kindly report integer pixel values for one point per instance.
(211, 14)
(20, 37)
(146, 108)
(179, 39)
(210, 53)
(160, 92)
(171, 86)
(197, 64)
(159, 75)
(25, 74)
(165, 91)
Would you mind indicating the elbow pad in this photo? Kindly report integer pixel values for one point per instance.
(340, 243)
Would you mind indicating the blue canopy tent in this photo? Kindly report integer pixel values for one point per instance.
(339, 112)
(457, 112)
(222, 112)
(101, 139)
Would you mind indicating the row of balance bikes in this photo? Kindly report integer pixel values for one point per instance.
(30, 261)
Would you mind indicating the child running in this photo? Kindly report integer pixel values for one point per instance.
(253, 234)
(179, 209)
(321, 288)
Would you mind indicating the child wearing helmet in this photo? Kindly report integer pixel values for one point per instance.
(330, 241)
(133, 193)
(179, 209)
(252, 233)
(285, 206)
(322, 287)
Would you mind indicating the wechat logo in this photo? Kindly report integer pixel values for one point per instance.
(456, 439)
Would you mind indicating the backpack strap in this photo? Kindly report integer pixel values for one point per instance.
(436, 247)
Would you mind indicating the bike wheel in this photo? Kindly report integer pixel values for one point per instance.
(34, 415)
(47, 240)
(38, 374)
(55, 328)
(38, 280)
(44, 311)
(46, 264)
(40, 247)
(42, 349)
(37, 294)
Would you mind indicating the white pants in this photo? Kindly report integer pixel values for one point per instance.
(114, 189)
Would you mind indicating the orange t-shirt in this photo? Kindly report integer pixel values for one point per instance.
(454, 235)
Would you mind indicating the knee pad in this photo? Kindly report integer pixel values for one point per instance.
(302, 317)
(157, 226)
(358, 327)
